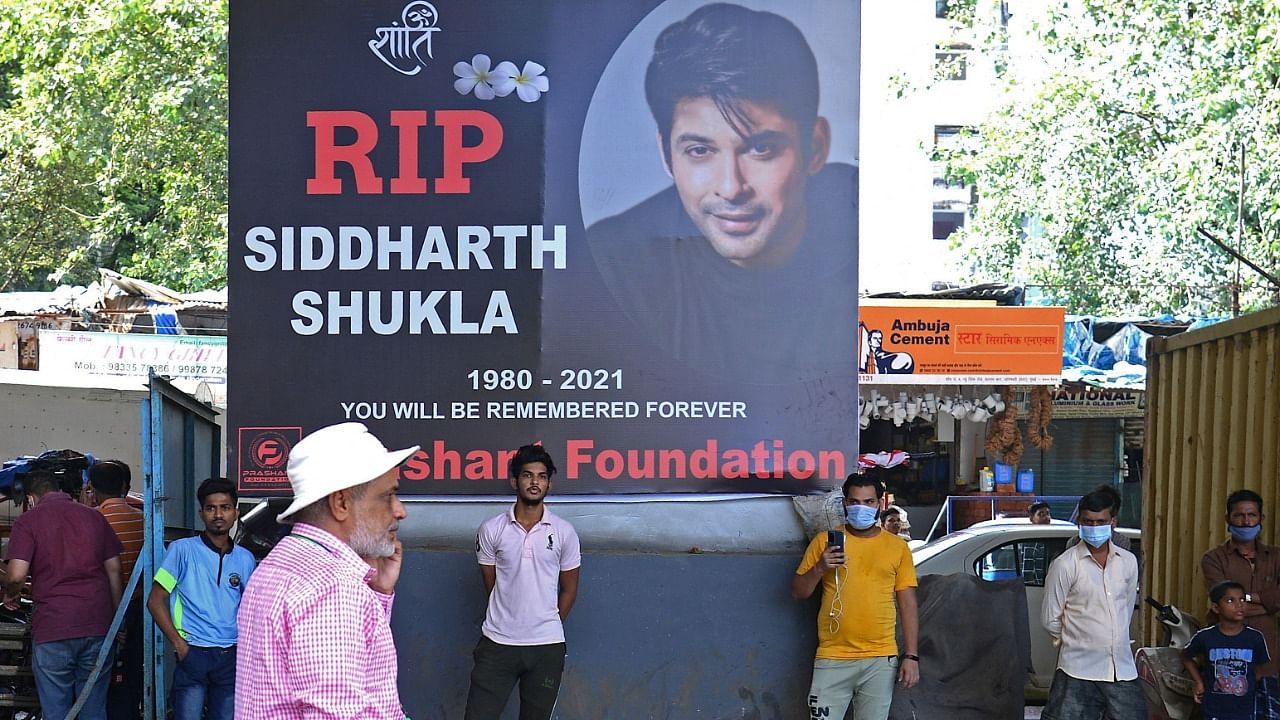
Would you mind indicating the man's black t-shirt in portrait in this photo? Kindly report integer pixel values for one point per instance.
(791, 322)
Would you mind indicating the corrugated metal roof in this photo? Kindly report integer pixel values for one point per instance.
(1001, 293)
(113, 292)
(66, 299)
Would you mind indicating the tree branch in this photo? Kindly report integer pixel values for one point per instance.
(1233, 253)
(1151, 120)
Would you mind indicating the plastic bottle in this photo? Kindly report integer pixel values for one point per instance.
(986, 480)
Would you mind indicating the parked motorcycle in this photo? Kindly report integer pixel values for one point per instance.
(1165, 683)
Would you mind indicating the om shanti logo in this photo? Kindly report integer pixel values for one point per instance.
(405, 46)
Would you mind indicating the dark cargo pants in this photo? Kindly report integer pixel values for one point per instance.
(499, 667)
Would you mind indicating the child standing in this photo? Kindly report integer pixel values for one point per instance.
(1233, 653)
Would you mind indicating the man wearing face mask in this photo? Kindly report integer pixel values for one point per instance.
(1112, 495)
(1256, 566)
(858, 654)
(1090, 593)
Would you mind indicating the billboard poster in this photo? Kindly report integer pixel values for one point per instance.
(626, 229)
(180, 357)
(948, 345)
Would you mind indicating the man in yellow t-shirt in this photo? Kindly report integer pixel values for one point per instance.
(857, 647)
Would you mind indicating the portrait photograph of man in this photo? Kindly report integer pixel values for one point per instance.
(744, 265)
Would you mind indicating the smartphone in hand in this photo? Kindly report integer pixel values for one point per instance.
(835, 545)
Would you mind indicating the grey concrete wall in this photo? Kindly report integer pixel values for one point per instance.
(657, 631)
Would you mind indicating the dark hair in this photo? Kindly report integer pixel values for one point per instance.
(109, 478)
(863, 480)
(37, 483)
(215, 485)
(890, 511)
(531, 454)
(730, 54)
(1037, 506)
(1217, 591)
(1112, 493)
(1103, 498)
(1243, 496)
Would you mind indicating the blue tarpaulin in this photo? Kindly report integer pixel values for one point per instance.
(55, 460)
(1112, 352)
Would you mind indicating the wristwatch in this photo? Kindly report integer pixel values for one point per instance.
(911, 657)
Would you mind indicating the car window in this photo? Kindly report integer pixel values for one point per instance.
(1027, 560)
(999, 564)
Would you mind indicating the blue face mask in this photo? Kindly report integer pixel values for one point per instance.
(1245, 533)
(861, 517)
(1095, 535)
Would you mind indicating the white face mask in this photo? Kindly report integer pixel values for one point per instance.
(1095, 535)
(861, 517)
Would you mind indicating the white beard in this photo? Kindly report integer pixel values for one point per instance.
(369, 542)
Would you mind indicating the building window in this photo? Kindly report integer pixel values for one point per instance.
(951, 61)
(948, 137)
(946, 222)
(950, 141)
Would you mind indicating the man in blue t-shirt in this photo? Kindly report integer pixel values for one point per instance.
(1233, 653)
(194, 601)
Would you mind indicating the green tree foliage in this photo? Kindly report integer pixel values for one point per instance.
(113, 118)
(1114, 159)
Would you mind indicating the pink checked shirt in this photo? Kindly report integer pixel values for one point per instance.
(315, 640)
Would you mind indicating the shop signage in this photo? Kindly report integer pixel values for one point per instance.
(1087, 402)
(180, 357)
(452, 222)
(918, 345)
(20, 340)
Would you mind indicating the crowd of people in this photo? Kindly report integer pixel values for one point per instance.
(1090, 595)
(307, 632)
(1091, 591)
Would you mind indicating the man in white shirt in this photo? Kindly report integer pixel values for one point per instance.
(1090, 593)
(529, 559)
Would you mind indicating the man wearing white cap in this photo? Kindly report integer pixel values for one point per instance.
(315, 633)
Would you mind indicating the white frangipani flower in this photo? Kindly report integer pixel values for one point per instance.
(528, 83)
(475, 77)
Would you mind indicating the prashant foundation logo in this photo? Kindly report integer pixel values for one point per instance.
(264, 456)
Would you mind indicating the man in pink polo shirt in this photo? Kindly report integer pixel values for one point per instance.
(529, 559)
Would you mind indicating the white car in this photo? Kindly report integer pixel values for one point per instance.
(1007, 551)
